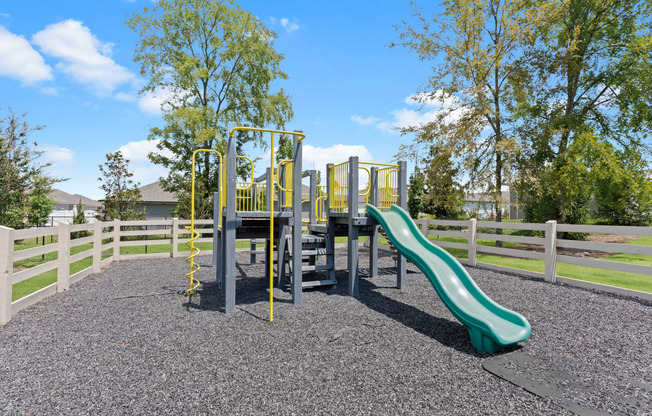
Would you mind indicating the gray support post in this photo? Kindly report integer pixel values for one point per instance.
(270, 190)
(216, 224)
(97, 246)
(473, 248)
(228, 228)
(373, 237)
(312, 216)
(401, 264)
(330, 258)
(551, 251)
(354, 272)
(297, 272)
(6, 272)
(63, 258)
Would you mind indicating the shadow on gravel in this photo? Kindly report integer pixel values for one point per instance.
(449, 333)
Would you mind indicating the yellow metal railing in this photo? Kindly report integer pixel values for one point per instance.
(320, 204)
(287, 166)
(387, 187)
(338, 194)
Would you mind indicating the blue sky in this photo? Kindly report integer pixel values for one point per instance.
(69, 65)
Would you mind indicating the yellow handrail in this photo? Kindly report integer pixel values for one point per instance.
(252, 171)
(194, 234)
(387, 188)
(320, 219)
(278, 167)
(301, 136)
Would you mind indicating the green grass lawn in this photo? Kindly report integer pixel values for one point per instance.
(608, 277)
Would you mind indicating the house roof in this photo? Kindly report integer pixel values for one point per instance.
(153, 192)
(64, 198)
(482, 197)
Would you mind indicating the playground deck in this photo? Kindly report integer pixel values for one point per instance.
(123, 342)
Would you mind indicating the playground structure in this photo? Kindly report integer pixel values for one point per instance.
(270, 208)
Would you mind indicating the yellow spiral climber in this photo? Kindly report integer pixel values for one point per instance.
(194, 283)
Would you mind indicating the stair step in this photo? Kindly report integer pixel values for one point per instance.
(317, 267)
(257, 251)
(315, 283)
(316, 252)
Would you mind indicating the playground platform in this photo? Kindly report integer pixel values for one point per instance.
(124, 342)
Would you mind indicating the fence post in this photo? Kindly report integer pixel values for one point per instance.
(97, 246)
(175, 237)
(473, 230)
(6, 271)
(551, 251)
(423, 222)
(63, 258)
(116, 240)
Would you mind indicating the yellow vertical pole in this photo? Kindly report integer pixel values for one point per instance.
(271, 236)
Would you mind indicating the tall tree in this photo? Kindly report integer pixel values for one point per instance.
(213, 62)
(415, 193)
(122, 199)
(23, 177)
(40, 203)
(444, 195)
(79, 218)
(591, 71)
(476, 47)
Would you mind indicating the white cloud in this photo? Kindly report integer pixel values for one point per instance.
(18, 60)
(50, 90)
(123, 96)
(289, 26)
(137, 152)
(82, 55)
(144, 171)
(151, 102)
(58, 156)
(406, 117)
(364, 121)
(317, 157)
(7, 15)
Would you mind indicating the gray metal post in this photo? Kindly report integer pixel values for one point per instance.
(228, 228)
(550, 246)
(270, 190)
(354, 273)
(330, 237)
(312, 216)
(401, 264)
(373, 238)
(297, 272)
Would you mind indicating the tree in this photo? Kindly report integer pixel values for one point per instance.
(285, 148)
(590, 72)
(213, 63)
(40, 203)
(79, 218)
(24, 184)
(443, 196)
(415, 193)
(477, 46)
(122, 198)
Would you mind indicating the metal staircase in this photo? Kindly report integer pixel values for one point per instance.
(314, 247)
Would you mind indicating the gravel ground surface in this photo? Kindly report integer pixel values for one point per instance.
(124, 342)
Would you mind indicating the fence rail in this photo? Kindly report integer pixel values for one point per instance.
(544, 248)
(107, 238)
(100, 245)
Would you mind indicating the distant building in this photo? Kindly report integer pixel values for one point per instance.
(158, 202)
(65, 207)
(482, 206)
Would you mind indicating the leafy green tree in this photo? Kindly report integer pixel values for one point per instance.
(590, 72)
(444, 195)
(415, 193)
(122, 199)
(477, 47)
(214, 63)
(284, 151)
(79, 218)
(24, 184)
(40, 203)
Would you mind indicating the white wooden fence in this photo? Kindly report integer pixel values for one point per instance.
(107, 237)
(549, 244)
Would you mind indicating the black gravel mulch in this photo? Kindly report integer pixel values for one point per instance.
(124, 342)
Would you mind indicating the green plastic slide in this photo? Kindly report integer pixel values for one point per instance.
(490, 326)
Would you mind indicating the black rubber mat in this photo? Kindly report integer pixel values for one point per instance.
(568, 384)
